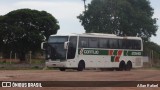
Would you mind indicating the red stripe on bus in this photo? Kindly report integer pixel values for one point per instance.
(120, 52)
(111, 52)
(117, 59)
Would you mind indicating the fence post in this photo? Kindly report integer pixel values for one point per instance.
(151, 57)
(30, 56)
(10, 57)
(15, 57)
(1, 55)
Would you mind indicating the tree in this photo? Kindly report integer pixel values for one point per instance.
(23, 30)
(120, 17)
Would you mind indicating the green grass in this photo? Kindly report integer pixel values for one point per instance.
(33, 61)
(7, 65)
(27, 68)
(37, 61)
(156, 67)
(21, 68)
(8, 62)
(14, 66)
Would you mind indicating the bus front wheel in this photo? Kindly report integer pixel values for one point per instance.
(81, 66)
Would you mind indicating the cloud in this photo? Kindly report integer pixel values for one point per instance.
(4, 9)
(65, 12)
(58, 9)
(156, 14)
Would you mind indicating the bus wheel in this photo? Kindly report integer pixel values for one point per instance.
(62, 69)
(129, 66)
(121, 66)
(111, 69)
(81, 66)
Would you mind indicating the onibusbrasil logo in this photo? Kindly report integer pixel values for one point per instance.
(21, 84)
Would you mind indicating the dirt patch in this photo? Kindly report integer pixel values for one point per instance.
(87, 75)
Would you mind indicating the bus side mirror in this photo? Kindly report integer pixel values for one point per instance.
(65, 45)
(43, 45)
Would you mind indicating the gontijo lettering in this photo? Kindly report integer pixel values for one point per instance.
(96, 52)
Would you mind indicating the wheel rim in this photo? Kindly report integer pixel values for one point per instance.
(122, 66)
(80, 66)
(129, 66)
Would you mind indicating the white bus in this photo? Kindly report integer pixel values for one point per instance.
(93, 50)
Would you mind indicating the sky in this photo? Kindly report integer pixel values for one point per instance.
(66, 12)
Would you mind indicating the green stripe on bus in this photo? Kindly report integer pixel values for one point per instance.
(92, 52)
(107, 52)
(133, 53)
(112, 58)
(115, 52)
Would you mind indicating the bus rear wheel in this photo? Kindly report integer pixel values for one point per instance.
(62, 69)
(129, 66)
(122, 66)
(81, 66)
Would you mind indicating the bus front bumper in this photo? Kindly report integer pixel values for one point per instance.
(55, 64)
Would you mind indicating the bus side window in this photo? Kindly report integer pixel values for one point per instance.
(103, 43)
(83, 42)
(120, 44)
(115, 43)
(134, 44)
(124, 44)
(138, 44)
(130, 44)
(72, 47)
(93, 43)
(110, 44)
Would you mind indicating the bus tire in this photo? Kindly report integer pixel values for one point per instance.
(122, 66)
(128, 66)
(111, 69)
(62, 69)
(81, 66)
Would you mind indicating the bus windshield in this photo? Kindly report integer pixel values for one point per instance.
(55, 49)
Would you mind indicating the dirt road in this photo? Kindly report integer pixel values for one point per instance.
(87, 75)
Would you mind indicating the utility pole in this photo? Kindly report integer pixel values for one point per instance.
(84, 5)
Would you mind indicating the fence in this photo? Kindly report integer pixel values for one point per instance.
(29, 58)
(153, 58)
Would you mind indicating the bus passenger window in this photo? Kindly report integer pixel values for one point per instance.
(93, 43)
(120, 44)
(138, 44)
(124, 44)
(103, 43)
(83, 42)
(113, 43)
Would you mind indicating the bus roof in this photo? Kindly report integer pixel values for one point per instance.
(101, 35)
